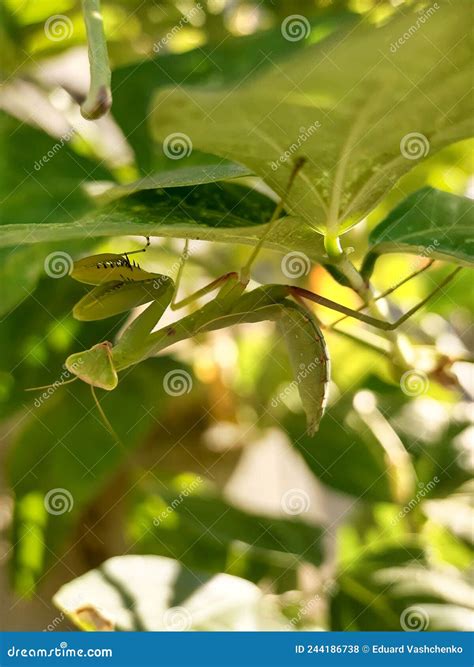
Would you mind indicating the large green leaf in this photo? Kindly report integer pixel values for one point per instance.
(231, 60)
(194, 175)
(155, 593)
(349, 104)
(431, 223)
(342, 455)
(224, 211)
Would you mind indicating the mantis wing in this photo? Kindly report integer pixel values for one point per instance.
(112, 298)
(309, 359)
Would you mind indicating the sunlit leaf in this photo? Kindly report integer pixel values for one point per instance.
(225, 212)
(430, 223)
(355, 124)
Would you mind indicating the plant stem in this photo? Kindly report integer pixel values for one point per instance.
(99, 97)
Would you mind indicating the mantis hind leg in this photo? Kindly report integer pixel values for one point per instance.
(367, 319)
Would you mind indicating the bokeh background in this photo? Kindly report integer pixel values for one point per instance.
(366, 526)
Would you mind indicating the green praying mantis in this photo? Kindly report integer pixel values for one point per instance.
(120, 284)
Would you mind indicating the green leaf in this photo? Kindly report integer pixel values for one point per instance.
(349, 104)
(194, 175)
(342, 456)
(361, 601)
(184, 519)
(430, 223)
(231, 61)
(154, 593)
(226, 212)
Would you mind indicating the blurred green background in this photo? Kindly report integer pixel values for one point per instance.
(220, 478)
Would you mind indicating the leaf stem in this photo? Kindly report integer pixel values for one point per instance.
(99, 97)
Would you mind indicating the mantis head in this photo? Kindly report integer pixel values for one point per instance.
(94, 366)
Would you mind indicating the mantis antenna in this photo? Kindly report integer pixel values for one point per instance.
(134, 252)
(53, 384)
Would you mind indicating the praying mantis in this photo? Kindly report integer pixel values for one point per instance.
(120, 284)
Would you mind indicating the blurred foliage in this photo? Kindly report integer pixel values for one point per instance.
(198, 480)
